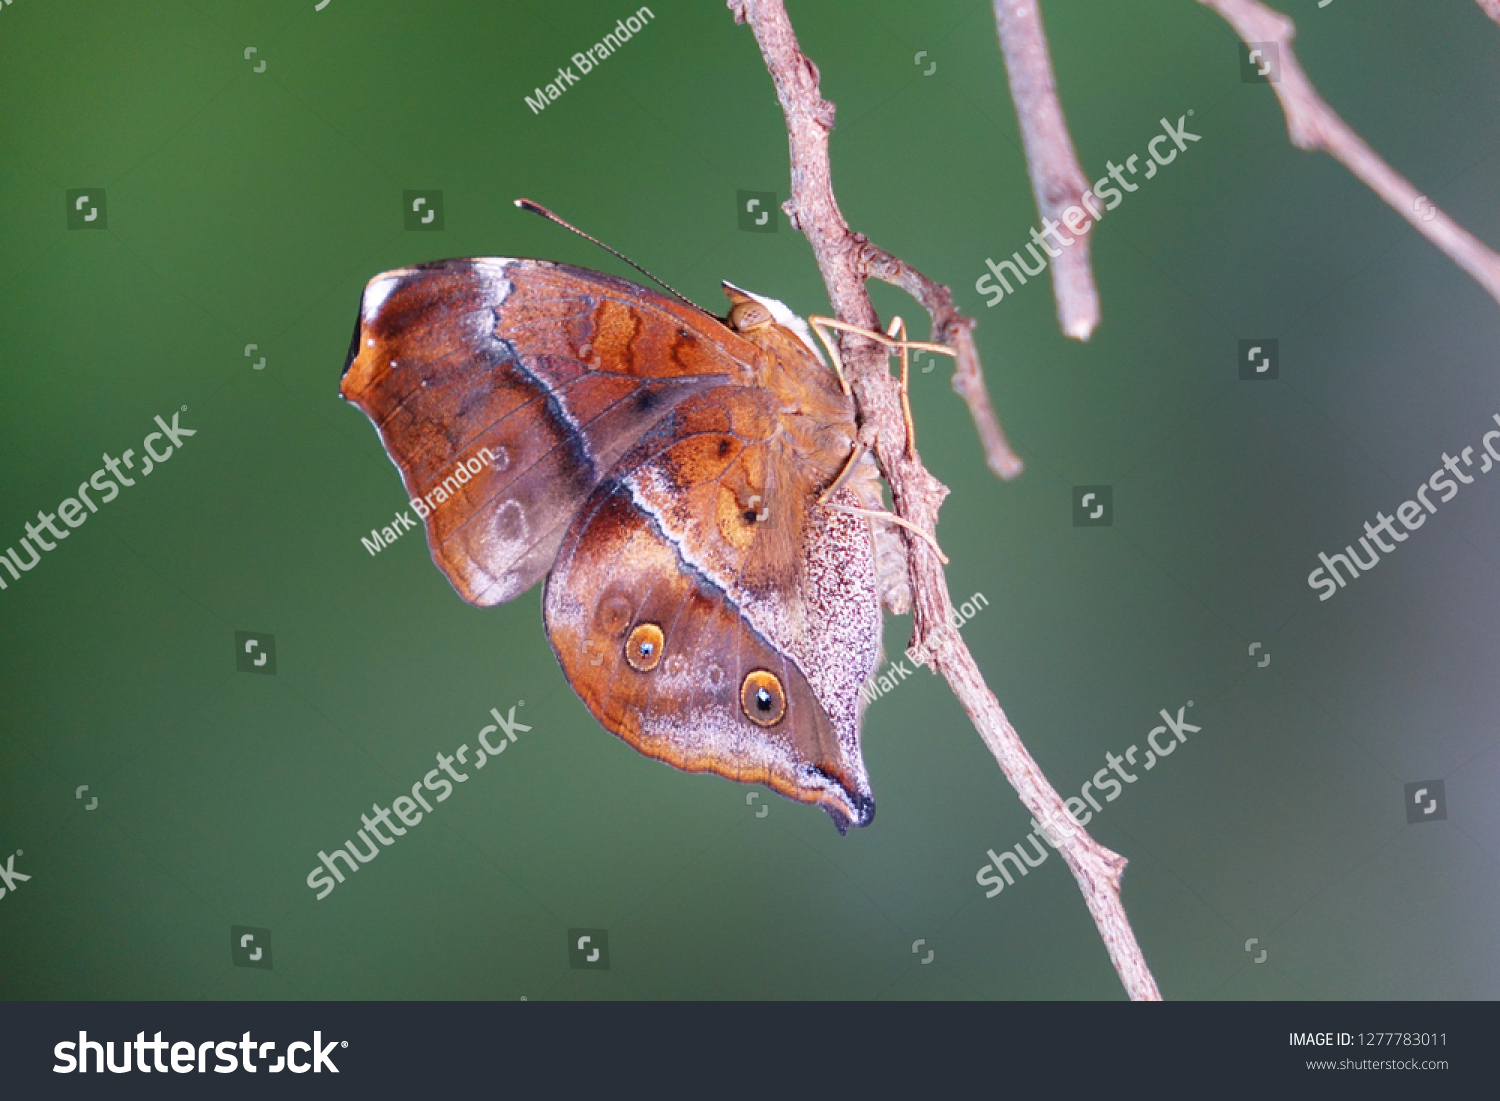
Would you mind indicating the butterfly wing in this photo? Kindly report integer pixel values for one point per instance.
(702, 604)
(504, 390)
(713, 615)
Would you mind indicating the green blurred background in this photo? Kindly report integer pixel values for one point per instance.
(250, 207)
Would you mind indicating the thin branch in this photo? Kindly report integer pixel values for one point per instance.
(845, 260)
(951, 327)
(1057, 179)
(1491, 8)
(1312, 124)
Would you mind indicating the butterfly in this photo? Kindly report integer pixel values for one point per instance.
(689, 485)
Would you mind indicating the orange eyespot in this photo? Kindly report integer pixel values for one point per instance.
(762, 698)
(744, 316)
(643, 647)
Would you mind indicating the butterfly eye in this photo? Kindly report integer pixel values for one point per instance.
(643, 647)
(762, 699)
(745, 316)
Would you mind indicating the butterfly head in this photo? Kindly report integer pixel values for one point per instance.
(758, 317)
(749, 316)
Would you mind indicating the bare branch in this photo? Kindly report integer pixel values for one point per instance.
(951, 327)
(1312, 124)
(846, 260)
(1057, 179)
(968, 381)
(1491, 8)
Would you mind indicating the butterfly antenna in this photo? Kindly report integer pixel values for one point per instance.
(538, 208)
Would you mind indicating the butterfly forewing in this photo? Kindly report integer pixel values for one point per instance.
(538, 374)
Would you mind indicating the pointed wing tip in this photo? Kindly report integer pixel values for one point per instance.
(863, 807)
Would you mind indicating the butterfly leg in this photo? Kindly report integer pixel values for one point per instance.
(892, 518)
(856, 454)
(817, 324)
(892, 343)
(898, 331)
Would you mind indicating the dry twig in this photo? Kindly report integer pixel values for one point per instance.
(1312, 124)
(1057, 179)
(951, 327)
(846, 259)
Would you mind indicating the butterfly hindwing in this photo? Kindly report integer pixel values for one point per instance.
(619, 587)
(747, 681)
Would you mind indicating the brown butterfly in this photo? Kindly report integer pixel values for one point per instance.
(690, 484)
